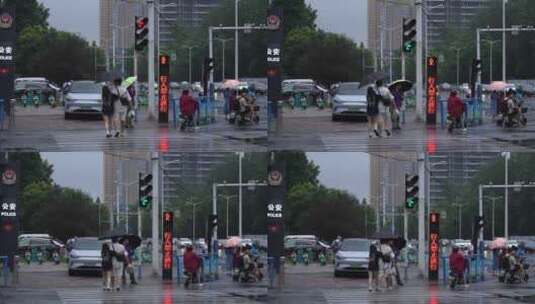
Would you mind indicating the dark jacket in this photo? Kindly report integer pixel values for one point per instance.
(375, 255)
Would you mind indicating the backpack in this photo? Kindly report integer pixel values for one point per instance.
(372, 101)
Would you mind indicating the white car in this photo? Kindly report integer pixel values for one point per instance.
(84, 98)
(352, 257)
(349, 101)
(85, 255)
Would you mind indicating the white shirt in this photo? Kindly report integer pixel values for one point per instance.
(384, 92)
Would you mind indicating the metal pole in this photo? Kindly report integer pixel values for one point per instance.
(155, 214)
(490, 63)
(193, 223)
(214, 212)
(493, 226)
(504, 46)
(139, 230)
(421, 216)
(377, 218)
(136, 84)
(126, 208)
(240, 195)
(419, 67)
(151, 72)
(190, 48)
(506, 229)
(226, 221)
(236, 44)
(460, 219)
(481, 209)
(390, 55)
(383, 22)
(403, 67)
(223, 59)
(114, 33)
(211, 51)
(458, 64)
(478, 55)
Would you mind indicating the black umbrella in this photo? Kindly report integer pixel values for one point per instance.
(373, 77)
(405, 85)
(133, 240)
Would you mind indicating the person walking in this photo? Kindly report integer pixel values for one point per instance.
(120, 101)
(188, 107)
(107, 267)
(383, 94)
(457, 264)
(372, 111)
(386, 271)
(129, 261)
(108, 110)
(396, 107)
(373, 267)
(118, 259)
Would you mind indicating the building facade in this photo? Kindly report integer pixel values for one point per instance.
(120, 180)
(385, 19)
(442, 14)
(185, 13)
(387, 186)
(180, 170)
(457, 167)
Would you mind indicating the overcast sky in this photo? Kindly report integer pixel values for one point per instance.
(341, 16)
(83, 170)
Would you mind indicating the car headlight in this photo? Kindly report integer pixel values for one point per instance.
(340, 257)
(74, 255)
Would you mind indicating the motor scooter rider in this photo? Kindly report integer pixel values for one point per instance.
(247, 263)
(457, 264)
(456, 110)
(513, 109)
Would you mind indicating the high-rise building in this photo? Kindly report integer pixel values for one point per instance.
(387, 184)
(120, 179)
(442, 14)
(180, 170)
(455, 167)
(385, 20)
(188, 13)
(117, 30)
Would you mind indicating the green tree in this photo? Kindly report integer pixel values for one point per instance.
(56, 55)
(33, 168)
(28, 13)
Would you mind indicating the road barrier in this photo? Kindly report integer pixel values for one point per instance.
(4, 260)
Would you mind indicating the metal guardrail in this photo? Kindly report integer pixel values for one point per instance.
(4, 260)
(208, 271)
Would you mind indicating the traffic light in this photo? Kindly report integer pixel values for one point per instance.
(145, 190)
(213, 221)
(409, 32)
(142, 30)
(476, 66)
(209, 64)
(411, 191)
(479, 222)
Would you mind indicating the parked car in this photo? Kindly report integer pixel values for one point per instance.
(40, 84)
(349, 101)
(84, 97)
(352, 257)
(85, 255)
(29, 243)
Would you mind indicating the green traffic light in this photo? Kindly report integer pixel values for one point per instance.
(411, 203)
(144, 202)
(409, 46)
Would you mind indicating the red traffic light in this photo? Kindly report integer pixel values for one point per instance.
(141, 22)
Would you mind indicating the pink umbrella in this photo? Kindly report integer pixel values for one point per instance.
(231, 84)
(498, 243)
(498, 86)
(232, 242)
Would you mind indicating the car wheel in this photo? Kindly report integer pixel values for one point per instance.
(337, 274)
(71, 272)
(67, 116)
(336, 118)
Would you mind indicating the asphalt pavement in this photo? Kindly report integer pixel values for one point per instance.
(44, 129)
(313, 130)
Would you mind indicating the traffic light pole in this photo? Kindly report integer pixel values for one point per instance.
(419, 63)
(151, 71)
(421, 216)
(155, 215)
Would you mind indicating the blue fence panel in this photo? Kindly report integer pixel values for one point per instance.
(4, 260)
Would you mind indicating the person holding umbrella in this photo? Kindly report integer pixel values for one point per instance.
(129, 261)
